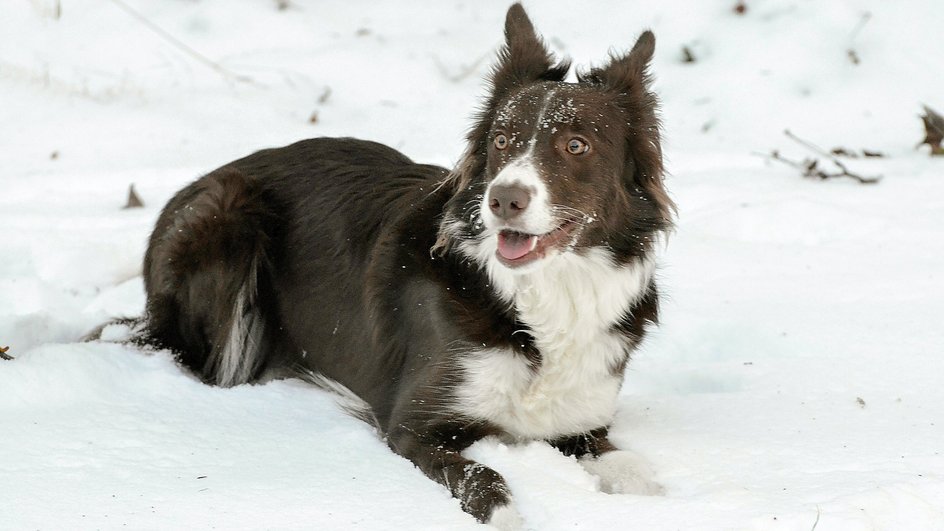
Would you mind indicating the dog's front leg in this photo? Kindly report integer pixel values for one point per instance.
(481, 491)
(620, 471)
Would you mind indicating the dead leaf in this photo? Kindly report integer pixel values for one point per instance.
(133, 200)
(853, 56)
(934, 130)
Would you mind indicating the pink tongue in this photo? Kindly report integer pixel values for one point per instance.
(512, 245)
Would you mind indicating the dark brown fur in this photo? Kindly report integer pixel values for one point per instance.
(315, 258)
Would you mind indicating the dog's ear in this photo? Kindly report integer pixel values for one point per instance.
(524, 58)
(629, 71)
(627, 78)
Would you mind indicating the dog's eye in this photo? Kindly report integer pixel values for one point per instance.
(501, 142)
(575, 146)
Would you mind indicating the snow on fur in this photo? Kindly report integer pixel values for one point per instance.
(796, 375)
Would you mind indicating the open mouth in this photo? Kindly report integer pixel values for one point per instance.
(516, 249)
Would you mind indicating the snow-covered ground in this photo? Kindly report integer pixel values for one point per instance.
(796, 381)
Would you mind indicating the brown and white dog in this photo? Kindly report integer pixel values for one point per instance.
(501, 298)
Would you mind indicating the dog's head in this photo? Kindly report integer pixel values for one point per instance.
(555, 167)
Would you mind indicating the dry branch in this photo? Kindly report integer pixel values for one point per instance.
(180, 45)
(811, 167)
(851, 52)
(464, 70)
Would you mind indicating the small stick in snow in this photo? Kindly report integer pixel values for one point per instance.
(863, 20)
(464, 70)
(4, 355)
(134, 201)
(180, 44)
(324, 96)
(810, 167)
(851, 52)
(852, 154)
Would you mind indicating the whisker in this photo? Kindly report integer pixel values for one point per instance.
(569, 210)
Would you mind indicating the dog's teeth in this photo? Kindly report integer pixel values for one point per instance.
(533, 243)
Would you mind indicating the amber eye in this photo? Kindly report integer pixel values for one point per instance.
(575, 146)
(501, 142)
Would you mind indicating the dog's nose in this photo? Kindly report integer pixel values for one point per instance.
(508, 202)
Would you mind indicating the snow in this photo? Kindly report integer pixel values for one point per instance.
(796, 380)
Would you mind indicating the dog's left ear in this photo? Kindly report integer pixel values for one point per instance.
(627, 78)
(629, 71)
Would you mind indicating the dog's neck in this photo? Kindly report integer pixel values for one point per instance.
(570, 307)
(574, 294)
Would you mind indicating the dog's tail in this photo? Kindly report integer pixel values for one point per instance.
(205, 262)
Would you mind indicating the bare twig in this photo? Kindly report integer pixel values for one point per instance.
(853, 154)
(851, 53)
(813, 171)
(807, 166)
(805, 143)
(815, 523)
(324, 96)
(52, 9)
(180, 45)
(863, 20)
(810, 168)
(464, 71)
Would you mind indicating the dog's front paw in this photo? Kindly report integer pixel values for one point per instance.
(623, 472)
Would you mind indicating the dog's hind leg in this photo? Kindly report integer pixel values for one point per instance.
(203, 272)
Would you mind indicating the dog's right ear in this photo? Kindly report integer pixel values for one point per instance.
(524, 58)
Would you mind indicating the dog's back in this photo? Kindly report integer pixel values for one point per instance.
(258, 261)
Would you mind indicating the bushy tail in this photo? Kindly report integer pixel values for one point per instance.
(203, 268)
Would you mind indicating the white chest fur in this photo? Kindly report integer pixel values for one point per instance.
(570, 306)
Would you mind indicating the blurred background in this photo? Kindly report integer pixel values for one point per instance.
(124, 83)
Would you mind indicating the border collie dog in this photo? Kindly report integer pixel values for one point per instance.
(502, 298)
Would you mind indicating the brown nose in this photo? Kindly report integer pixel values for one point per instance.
(508, 202)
